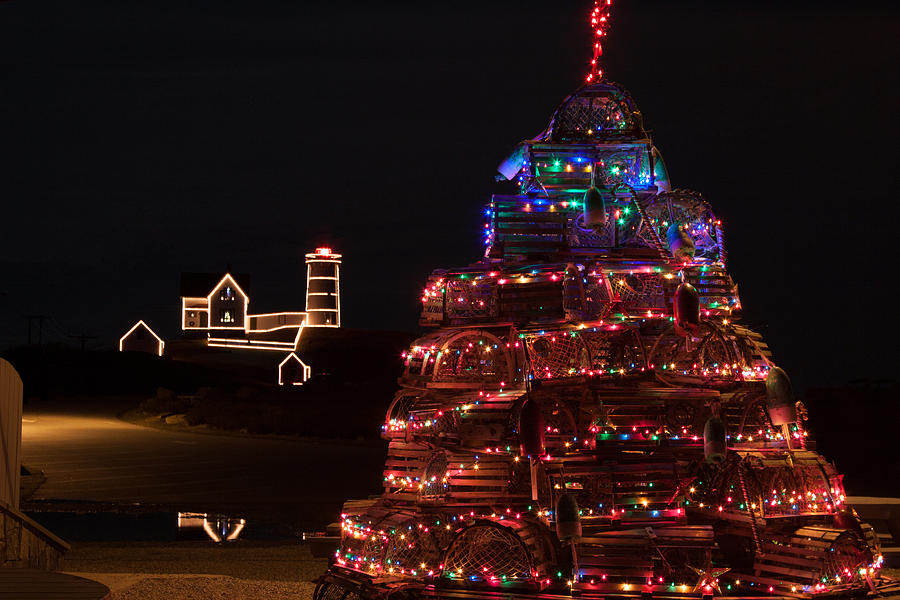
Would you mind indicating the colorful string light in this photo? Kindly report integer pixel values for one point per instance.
(590, 330)
(600, 17)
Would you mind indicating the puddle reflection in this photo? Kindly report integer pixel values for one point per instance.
(218, 528)
(156, 526)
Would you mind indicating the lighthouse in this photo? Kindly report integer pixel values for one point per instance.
(323, 297)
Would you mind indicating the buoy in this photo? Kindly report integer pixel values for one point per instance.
(594, 208)
(780, 397)
(660, 173)
(714, 447)
(680, 243)
(568, 520)
(686, 305)
(531, 429)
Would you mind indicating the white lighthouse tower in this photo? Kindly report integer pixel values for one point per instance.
(323, 288)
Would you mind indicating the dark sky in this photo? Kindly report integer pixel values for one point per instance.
(141, 141)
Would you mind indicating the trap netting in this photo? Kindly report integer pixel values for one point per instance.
(690, 212)
(471, 357)
(710, 353)
(614, 351)
(414, 549)
(561, 354)
(593, 111)
(434, 481)
(327, 590)
(470, 299)
(639, 292)
(623, 226)
(489, 553)
(847, 554)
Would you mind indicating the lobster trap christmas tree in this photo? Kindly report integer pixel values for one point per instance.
(587, 415)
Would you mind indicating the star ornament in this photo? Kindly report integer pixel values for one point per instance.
(708, 578)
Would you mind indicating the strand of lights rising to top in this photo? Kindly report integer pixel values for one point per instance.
(599, 23)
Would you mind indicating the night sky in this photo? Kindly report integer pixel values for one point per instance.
(138, 142)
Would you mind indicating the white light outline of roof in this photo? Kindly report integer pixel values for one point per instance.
(161, 344)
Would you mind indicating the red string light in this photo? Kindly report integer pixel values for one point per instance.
(599, 25)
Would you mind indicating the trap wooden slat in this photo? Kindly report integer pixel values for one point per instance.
(794, 560)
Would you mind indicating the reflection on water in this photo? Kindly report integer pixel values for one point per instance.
(166, 526)
(218, 528)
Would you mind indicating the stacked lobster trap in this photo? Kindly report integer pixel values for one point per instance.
(587, 416)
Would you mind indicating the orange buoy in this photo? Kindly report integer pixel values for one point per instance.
(531, 429)
(568, 518)
(714, 445)
(686, 306)
(594, 208)
(780, 397)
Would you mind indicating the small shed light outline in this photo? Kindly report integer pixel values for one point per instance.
(160, 343)
(307, 370)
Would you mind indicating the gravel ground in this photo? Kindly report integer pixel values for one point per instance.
(270, 561)
(198, 570)
(193, 587)
(142, 586)
(205, 571)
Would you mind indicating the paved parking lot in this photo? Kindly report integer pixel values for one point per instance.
(92, 456)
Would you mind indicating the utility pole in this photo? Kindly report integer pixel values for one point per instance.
(42, 379)
(40, 320)
(83, 339)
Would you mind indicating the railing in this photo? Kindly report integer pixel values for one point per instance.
(274, 321)
(25, 543)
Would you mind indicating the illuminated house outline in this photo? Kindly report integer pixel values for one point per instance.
(136, 331)
(227, 305)
(224, 307)
(223, 313)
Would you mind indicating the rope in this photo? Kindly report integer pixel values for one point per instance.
(802, 415)
(740, 468)
(657, 241)
(720, 242)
